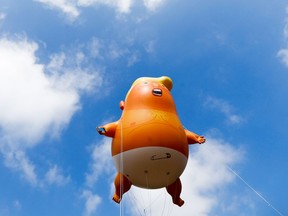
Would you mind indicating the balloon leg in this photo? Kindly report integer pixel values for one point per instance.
(175, 190)
(122, 185)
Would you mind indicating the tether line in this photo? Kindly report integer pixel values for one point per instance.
(257, 193)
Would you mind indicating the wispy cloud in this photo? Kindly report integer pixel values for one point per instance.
(72, 8)
(92, 201)
(105, 51)
(153, 4)
(122, 6)
(150, 47)
(18, 160)
(134, 58)
(2, 16)
(101, 162)
(36, 100)
(283, 53)
(68, 7)
(225, 108)
(55, 176)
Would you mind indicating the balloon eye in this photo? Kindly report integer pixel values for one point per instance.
(157, 92)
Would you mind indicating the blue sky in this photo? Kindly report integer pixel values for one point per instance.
(65, 65)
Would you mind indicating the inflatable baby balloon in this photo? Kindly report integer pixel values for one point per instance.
(149, 145)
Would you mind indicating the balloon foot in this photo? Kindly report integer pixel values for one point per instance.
(116, 198)
(178, 202)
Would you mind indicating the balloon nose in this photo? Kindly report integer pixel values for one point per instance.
(166, 81)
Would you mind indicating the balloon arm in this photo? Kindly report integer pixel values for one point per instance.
(108, 129)
(194, 138)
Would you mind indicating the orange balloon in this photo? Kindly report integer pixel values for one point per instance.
(150, 145)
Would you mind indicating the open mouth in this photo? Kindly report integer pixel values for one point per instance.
(157, 92)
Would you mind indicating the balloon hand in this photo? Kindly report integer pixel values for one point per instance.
(201, 139)
(101, 130)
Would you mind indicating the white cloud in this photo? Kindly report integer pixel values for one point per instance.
(105, 50)
(17, 204)
(204, 183)
(283, 53)
(114, 51)
(122, 6)
(72, 75)
(95, 47)
(101, 163)
(2, 16)
(56, 61)
(286, 25)
(17, 160)
(153, 4)
(35, 103)
(150, 47)
(225, 108)
(91, 202)
(68, 7)
(133, 58)
(32, 103)
(72, 8)
(55, 176)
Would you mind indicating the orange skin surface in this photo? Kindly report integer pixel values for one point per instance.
(149, 119)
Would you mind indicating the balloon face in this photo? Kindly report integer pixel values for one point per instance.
(150, 95)
(150, 145)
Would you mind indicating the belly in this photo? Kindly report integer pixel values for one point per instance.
(151, 167)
